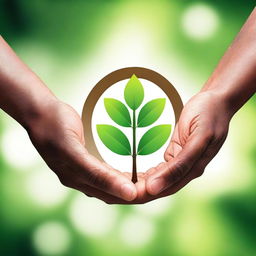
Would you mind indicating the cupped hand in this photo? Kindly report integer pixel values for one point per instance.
(199, 134)
(58, 136)
(197, 138)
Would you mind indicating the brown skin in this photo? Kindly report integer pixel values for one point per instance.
(204, 121)
(197, 138)
(56, 129)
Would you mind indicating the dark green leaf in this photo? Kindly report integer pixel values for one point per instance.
(114, 139)
(150, 112)
(118, 112)
(154, 139)
(134, 93)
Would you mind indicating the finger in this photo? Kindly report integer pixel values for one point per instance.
(142, 195)
(196, 171)
(178, 167)
(105, 178)
(110, 199)
(107, 198)
(154, 170)
(174, 146)
(77, 167)
(89, 191)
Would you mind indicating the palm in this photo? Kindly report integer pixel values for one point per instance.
(198, 136)
(60, 141)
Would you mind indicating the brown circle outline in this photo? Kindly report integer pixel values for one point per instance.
(114, 77)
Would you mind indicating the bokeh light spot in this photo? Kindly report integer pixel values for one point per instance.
(17, 149)
(44, 188)
(136, 231)
(200, 21)
(92, 217)
(51, 238)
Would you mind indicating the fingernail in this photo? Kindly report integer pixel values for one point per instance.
(128, 192)
(156, 186)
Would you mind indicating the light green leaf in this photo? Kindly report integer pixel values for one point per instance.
(154, 139)
(114, 139)
(150, 112)
(134, 93)
(118, 112)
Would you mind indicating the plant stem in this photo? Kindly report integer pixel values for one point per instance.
(134, 153)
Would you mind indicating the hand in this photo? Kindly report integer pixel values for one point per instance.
(198, 136)
(58, 136)
(57, 133)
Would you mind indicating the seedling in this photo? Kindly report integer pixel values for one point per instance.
(152, 140)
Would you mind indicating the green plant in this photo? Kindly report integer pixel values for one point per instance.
(116, 140)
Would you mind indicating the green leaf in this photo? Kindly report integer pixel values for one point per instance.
(134, 93)
(154, 139)
(114, 139)
(150, 112)
(118, 112)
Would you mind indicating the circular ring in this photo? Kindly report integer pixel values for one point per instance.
(114, 77)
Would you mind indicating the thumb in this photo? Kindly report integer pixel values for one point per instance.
(174, 170)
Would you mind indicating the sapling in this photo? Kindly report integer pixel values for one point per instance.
(152, 140)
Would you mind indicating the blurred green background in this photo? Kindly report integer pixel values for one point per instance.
(73, 44)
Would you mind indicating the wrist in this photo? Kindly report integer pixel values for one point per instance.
(223, 100)
(38, 112)
(231, 99)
